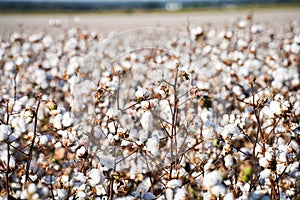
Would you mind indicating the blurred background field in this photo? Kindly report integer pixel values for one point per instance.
(117, 15)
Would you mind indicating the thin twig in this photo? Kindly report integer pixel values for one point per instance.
(33, 140)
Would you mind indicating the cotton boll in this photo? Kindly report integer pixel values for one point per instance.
(257, 28)
(295, 48)
(208, 133)
(268, 155)
(146, 120)
(196, 33)
(169, 194)
(280, 168)
(3, 158)
(143, 136)
(24, 194)
(62, 194)
(81, 151)
(282, 157)
(64, 179)
(67, 120)
(211, 179)
(57, 122)
(180, 194)
(142, 93)
(267, 111)
(8, 66)
(275, 107)
(19, 125)
(283, 196)
(242, 24)
(73, 65)
(152, 144)
(113, 114)
(100, 190)
(174, 183)
(229, 196)
(81, 194)
(265, 173)
(286, 106)
(43, 139)
(230, 130)
(149, 196)
(207, 49)
(218, 190)
(80, 178)
(111, 127)
(17, 107)
(206, 115)
(242, 44)
(31, 188)
(107, 162)
(95, 177)
(5, 131)
(47, 41)
(142, 188)
(229, 161)
(237, 90)
(263, 162)
(28, 115)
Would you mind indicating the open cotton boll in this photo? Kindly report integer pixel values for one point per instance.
(206, 115)
(174, 183)
(143, 136)
(229, 196)
(112, 114)
(282, 157)
(95, 177)
(8, 66)
(265, 173)
(218, 190)
(152, 144)
(149, 196)
(143, 187)
(180, 194)
(43, 139)
(19, 125)
(81, 194)
(3, 158)
(146, 120)
(142, 93)
(263, 162)
(73, 65)
(229, 161)
(212, 178)
(275, 107)
(31, 188)
(208, 133)
(5, 131)
(67, 120)
(169, 194)
(57, 121)
(107, 162)
(230, 130)
(61, 193)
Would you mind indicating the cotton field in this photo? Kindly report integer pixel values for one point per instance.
(212, 112)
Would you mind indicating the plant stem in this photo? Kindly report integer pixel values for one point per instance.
(174, 124)
(33, 140)
(7, 171)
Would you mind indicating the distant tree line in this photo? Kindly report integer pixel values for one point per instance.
(7, 5)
